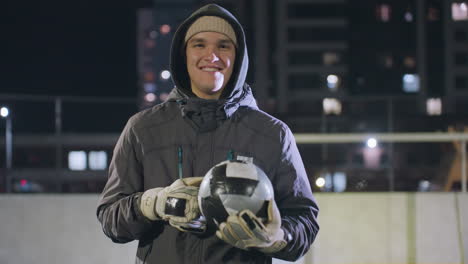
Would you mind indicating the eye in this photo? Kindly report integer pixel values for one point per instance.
(225, 46)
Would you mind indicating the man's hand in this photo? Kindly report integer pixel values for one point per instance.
(177, 204)
(246, 231)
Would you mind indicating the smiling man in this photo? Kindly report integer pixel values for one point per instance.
(210, 60)
(210, 116)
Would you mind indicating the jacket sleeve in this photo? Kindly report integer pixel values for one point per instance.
(118, 207)
(296, 202)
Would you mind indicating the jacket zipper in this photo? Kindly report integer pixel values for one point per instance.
(212, 140)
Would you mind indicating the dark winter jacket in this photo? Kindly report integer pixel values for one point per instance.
(184, 137)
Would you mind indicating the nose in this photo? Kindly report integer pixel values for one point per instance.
(212, 55)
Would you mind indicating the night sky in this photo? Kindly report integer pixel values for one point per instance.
(84, 48)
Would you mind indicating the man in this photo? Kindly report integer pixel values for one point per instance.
(210, 116)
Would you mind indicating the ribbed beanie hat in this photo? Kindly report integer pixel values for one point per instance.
(211, 24)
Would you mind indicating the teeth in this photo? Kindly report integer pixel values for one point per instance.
(209, 69)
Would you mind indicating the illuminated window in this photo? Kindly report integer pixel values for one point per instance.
(408, 16)
(433, 14)
(149, 87)
(434, 106)
(77, 160)
(335, 182)
(149, 76)
(330, 58)
(383, 12)
(153, 34)
(97, 160)
(331, 106)
(149, 43)
(460, 11)
(411, 83)
(388, 61)
(409, 62)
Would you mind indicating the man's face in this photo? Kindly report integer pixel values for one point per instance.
(210, 60)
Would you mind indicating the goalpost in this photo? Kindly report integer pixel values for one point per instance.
(333, 138)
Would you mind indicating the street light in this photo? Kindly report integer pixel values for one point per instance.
(5, 113)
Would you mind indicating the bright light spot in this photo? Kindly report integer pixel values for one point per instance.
(408, 17)
(332, 78)
(165, 74)
(23, 182)
(153, 34)
(384, 12)
(4, 112)
(459, 11)
(333, 81)
(331, 106)
(410, 83)
(371, 143)
(424, 186)
(320, 182)
(165, 29)
(150, 97)
(97, 160)
(408, 78)
(434, 106)
(77, 160)
(463, 6)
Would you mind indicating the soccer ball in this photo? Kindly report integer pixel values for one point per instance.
(232, 186)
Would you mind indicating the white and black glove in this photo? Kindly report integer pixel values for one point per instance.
(177, 204)
(246, 231)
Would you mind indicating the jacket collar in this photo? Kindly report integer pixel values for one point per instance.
(207, 115)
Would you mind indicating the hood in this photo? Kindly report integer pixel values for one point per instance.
(178, 59)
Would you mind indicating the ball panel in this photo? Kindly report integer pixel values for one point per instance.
(213, 208)
(204, 190)
(233, 186)
(242, 170)
(236, 203)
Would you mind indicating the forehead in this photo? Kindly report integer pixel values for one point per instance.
(209, 36)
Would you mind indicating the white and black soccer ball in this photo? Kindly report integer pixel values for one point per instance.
(232, 186)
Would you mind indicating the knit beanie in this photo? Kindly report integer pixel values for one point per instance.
(211, 24)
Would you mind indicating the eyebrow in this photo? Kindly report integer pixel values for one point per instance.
(201, 40)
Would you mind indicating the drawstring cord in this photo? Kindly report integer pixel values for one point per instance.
(179, 163)
(230, 155)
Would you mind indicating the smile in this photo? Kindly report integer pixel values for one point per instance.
(210, 69)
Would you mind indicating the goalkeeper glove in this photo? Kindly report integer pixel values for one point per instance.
(177, 204)
(246, 231)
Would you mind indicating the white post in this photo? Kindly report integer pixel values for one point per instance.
(463, 166)
(8, 153)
